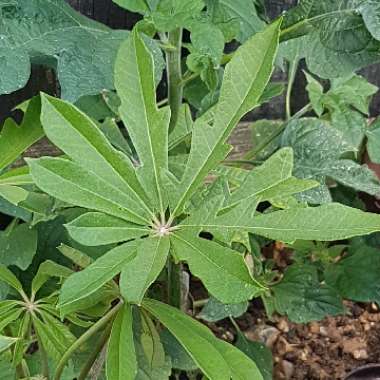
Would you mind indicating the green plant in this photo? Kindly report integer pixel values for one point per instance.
(155, 215)
(141, 209)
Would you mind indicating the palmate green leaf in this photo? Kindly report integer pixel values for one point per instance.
(18, 246)
(6, 342)
(47, 270)
(245, 79)
(95, 228)
(217, 360)
(355, 277)
(121, 354)
(270, 180)
(143, 270)
(302, 298)
(328, 222)
(81, 50)
(14, 138)
(73, 184)
(20, 346)
(146, 124)
(8, 277)
(80, 138)
(222, 270)
(83, 284)
(54, 335)
(152, 360)
(10, 316)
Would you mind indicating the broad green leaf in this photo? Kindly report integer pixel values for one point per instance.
(206, 51)
(73, 184)
(81, 50)
(140, 6)
(47, 270)
(337, 30)
(373, 144)
(180, 359)
(6, 368)
(215, 311)
(18, 246)
(241, 366)
(6, 342)
(80, 138)
(302, 298)
(220, 16)
(17, 176)
(15, 139)
(172, 14)
(355, 277)
(143, 270)
(354, 90)
(83, 284)
(222, 270)
(194, 337)
(146, 124)
(121, 354)
(318, 148)
(245, 79)
(245, 12)
(95, 228)
(259, 353)
(7, 276)
(328, 222)
(207, 41)
(370, 10)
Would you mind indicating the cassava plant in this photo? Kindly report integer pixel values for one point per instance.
(155, 215)
(142, 210)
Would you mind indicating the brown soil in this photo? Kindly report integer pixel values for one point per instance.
(329, 349)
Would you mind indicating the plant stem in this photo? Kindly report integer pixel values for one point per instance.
(84, 338)
(94, 354)
(174, 75)
(293, 66)
(174, 284)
